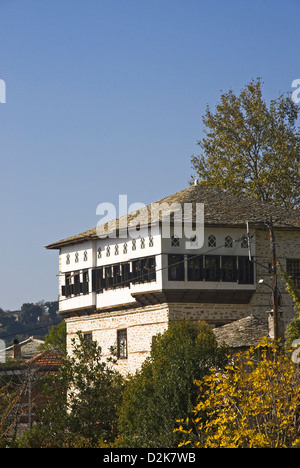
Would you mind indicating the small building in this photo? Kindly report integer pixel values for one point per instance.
(122, 283)
(241, 334)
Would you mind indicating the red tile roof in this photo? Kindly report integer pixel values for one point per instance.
(46, 358)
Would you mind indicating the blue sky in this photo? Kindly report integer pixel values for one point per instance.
(105, 97)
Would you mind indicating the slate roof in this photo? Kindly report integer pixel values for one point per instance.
(220, 209)
(243, 333)
(29, 348)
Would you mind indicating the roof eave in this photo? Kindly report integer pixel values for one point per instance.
(257, 225)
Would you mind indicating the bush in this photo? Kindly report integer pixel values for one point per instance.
(253, 403)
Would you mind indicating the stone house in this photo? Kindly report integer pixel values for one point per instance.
(122, 282)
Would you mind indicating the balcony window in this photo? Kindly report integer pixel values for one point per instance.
(85, 282)
(212, 242)
(229, 268)
(176, 267)
(88, 340)
(67, 289)
(109, 280)
(76, 285)
(97, 280)
(126, 275)
(244, 242)
(175, 241)
(293, 270)
(212, 268)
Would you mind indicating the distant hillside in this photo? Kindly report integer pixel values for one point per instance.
(31, 320)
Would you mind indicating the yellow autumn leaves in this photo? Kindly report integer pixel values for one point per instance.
(253, 403)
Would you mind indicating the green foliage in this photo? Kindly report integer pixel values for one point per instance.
(32, 319)
(82, 401)
(251, 148)
(163, 390)
(292, 331)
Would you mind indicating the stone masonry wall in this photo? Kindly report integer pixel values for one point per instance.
(287, 247)
(141, 324)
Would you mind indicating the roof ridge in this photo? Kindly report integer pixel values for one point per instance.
(221, 208)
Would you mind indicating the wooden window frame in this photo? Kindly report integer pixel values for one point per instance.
(293, 270)
(176, 267)
(122, 344)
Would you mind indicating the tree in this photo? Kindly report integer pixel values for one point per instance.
(292, 331)
(163, 390)
(37, 318)
(251, 148)
(253, 403)
(52, 311)
(83, 399)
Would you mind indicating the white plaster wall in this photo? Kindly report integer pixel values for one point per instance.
(220, 233)
(81, 264)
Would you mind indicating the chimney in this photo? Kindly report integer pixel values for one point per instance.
(16, 350)
(271, 325)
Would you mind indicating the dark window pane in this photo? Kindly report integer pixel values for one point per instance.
(229, 268)
(245, 271)
(195, 268)
(212, 268)
(176, 267)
